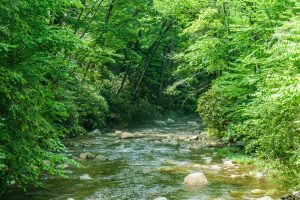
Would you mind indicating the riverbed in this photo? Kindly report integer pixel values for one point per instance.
(146, 167)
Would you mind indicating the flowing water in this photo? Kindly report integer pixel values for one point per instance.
(148, 167)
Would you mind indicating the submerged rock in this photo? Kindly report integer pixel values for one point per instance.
(85, 177)
(126, 135)
(87, 156)
(195, 179)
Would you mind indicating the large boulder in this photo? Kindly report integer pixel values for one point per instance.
(126, 135)
(195, 179)
(87, 156)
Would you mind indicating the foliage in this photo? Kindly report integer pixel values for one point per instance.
(250, 53)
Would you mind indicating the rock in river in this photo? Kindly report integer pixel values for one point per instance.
(228, 163)
(195, 179)
(95, 132)
(85, 177)
(87, 156)
(126, 135)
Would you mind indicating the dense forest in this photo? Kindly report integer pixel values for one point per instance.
(68, 67)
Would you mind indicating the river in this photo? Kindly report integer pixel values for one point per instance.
(148, 167)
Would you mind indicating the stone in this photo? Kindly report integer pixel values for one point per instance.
(228, 163)
(85, 177)
(170, 121)
(94, 132)
(87, 156)
(257, 191)
(100, 158)
(207, 160)
(160, 198)
(215, 167)
(192, 124)
(195, 179)
(265, 198)
(194, 137)
(259, 176)
(126, 135)
(197, 166)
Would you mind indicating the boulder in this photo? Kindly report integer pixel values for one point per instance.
(85, 177)
(192, 124)
(195, 179)
(100, 158)
(265, 198)
(126, 135)
(160, 198)
(87, 156)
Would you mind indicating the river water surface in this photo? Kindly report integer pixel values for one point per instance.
(148, 167)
